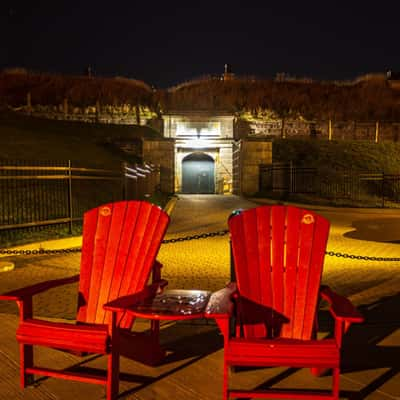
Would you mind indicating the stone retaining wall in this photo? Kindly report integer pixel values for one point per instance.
(251, 154)
(127, 114)
(330, 130)
(161, 152)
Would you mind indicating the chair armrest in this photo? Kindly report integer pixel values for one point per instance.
(29, 291)
(123, 303)
(220, 304)
(340, 307)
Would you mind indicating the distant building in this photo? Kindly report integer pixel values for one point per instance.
(393, 79)
(393, 75)
(227, 75)
(203, 150)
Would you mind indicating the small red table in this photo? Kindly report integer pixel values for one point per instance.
(175, 305)
(172, 305)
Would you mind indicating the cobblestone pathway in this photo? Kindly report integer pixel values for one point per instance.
(205, 263)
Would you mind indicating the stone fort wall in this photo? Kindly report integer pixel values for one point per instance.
(376, 131)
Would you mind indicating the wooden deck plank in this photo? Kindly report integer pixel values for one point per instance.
(186, 374)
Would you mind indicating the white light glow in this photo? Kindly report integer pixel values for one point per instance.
(198, 143)
(209, 129)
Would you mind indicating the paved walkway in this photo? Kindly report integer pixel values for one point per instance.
(371, 366)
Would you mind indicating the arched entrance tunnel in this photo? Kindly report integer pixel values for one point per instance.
(198, 174)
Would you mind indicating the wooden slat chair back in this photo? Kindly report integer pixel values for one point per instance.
(278, 253)
(120, 243)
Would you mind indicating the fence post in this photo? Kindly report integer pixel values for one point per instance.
(383, 189)
(135, 190)
(330, 130)
(376, 131)
(70, 210)
(29, 102)
(124, 181)
(291, 178)
(65, 106)
(140, 186)
(148, 181)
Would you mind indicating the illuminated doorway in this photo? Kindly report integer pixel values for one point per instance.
(198, 174)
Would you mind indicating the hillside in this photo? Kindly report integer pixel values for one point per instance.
(28, 138)
(362, 99)
(339, 155)
(52, 89)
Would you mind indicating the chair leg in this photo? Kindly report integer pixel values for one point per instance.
(225, 382)
(319, 371)
(113, 375)
(335, 382)
(155, 328)
(26, 361)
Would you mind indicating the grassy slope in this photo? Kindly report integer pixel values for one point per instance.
(25, 138)
(364, 100)
(356, 155)
(33, 139)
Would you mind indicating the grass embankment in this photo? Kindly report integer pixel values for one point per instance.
(80, 91)
(364, 99)
(35, 140)
(337, 165)
(88, 145)
(339, 155)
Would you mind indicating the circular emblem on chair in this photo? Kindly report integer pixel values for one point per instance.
(307, 219)
(105, 211)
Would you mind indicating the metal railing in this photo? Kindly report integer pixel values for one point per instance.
(35, 196)
(369, 188)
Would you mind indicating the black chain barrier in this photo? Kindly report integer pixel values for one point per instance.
(193, 237)
(364, 258)
(40, 251)
(184, 239)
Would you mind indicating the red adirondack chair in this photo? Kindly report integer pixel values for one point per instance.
(278, 254)
(120, 244)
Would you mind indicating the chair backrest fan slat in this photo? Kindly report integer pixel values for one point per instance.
(120, 243)
(278, 254)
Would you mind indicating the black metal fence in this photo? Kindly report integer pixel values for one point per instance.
(39, 196)
(339, 186)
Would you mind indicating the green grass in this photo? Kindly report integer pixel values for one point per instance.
(85, 144)
(334, 159)
(340, 155)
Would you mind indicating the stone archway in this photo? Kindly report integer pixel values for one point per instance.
(198, 173)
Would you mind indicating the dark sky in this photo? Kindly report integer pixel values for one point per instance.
(167, 42)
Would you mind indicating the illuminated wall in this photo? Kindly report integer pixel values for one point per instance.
(202, 133)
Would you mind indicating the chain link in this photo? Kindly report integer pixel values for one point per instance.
(358, 257)
(194, 237)
(78, 249)
(184, 239)
(40, 251)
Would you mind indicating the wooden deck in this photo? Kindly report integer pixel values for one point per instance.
(192, 370)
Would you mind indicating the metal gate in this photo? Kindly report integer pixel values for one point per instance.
(198, 174)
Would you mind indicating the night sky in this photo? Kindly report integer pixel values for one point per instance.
(167, 42)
